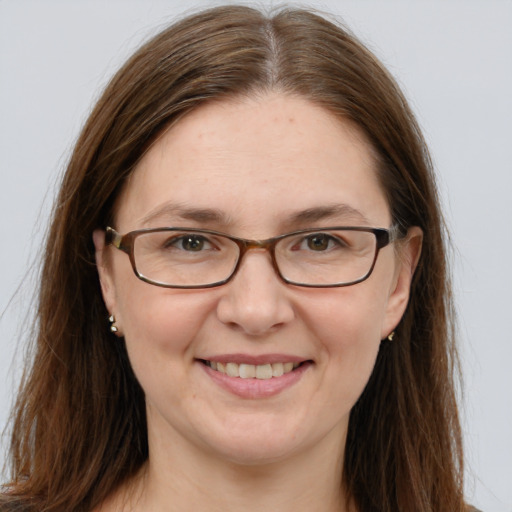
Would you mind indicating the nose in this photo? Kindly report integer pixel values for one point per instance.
(255, 301)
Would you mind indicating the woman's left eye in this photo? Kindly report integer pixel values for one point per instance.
(319, 242)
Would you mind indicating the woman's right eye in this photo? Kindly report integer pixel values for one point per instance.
(189, 243)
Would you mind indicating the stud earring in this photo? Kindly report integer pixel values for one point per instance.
(391, 335)
(113, 326)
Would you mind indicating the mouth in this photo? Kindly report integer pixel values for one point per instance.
(256, 377)
(253, 371)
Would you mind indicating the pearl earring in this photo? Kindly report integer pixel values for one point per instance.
(113, 326)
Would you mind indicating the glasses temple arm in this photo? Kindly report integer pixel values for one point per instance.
(112, 237)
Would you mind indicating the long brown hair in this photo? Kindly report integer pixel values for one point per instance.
(79, 427)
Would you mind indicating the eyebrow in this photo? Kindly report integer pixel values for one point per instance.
(218, 217)
(199, 215)
(319, 213)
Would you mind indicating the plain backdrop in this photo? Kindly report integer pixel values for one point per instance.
(454, 61)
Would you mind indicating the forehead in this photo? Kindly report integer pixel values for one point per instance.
(254, 161)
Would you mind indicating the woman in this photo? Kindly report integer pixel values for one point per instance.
(252, 207)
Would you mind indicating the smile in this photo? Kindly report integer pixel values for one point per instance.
(252, 371)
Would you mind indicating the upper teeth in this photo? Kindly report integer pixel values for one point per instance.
(252, 371)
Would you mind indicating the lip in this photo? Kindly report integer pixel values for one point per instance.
(256, 360)
(256, 388)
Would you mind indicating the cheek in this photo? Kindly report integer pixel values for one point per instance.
(346, 318)
(347, 324)
(160, 325)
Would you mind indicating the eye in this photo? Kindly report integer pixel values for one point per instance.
(190, 243)
(319, 242)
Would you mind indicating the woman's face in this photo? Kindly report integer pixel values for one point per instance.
(254, 169)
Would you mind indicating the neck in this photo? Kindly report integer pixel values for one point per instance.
(181, 478)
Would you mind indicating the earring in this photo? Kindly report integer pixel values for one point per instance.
(391, 335)
(113, 326)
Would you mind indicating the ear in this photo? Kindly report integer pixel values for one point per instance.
(407, 259)
(104, 271)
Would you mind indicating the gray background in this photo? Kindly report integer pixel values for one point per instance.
(454, 60)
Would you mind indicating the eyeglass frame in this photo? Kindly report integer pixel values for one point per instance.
(125, 243)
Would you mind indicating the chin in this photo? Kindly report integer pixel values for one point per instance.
(261, 444)
(254, 454)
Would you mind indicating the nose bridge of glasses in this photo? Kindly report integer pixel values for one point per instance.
(259, 246)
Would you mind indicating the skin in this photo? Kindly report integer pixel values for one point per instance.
(258, 162)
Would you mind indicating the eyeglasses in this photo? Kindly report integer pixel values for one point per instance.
(201, 258)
